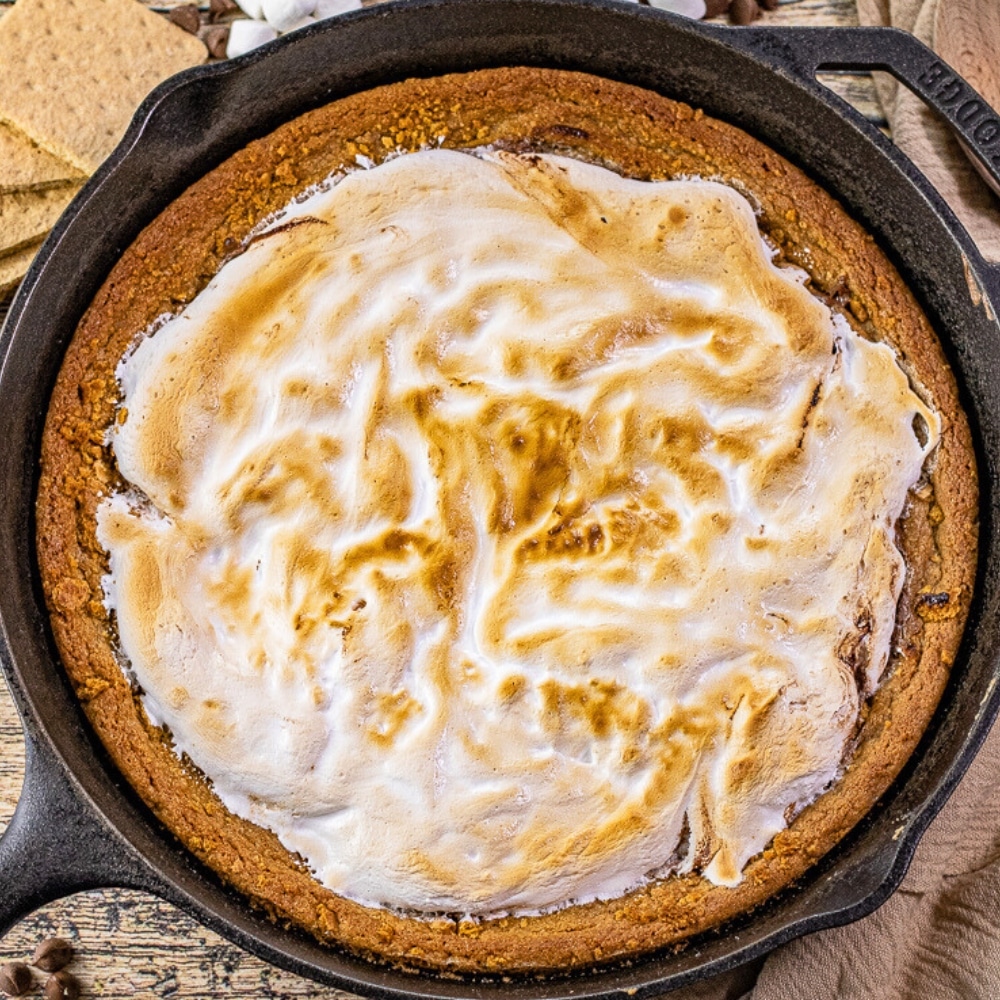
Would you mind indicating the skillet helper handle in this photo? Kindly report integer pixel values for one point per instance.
(919, 69)
(56, 844)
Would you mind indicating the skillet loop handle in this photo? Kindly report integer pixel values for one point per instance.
(56, 844)
(806, 51)
(915, 66)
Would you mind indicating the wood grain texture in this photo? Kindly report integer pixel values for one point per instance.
(967, 37)
(966, 33)
(130, 944)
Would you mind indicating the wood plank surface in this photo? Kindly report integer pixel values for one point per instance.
(130, 944)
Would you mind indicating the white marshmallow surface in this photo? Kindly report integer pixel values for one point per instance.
(508, 532)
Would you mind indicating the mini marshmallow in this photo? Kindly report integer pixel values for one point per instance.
(247, 35)
(695, 9)
(287, 15)
(328, 8)
(251, 8)
(303, 23)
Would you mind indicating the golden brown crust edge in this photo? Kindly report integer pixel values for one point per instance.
(642, 135)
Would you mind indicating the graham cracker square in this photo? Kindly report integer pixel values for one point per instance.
(74, 71)
(24, 166)
(26, 216)
(15, 267)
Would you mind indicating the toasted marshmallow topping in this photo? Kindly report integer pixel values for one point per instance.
(506, 532)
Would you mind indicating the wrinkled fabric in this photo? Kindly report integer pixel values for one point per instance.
(938, 936)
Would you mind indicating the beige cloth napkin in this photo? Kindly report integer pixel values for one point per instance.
(938, 936)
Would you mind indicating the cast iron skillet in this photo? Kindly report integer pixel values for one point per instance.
(78, 825)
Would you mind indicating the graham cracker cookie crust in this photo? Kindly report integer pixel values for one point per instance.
(638, 134)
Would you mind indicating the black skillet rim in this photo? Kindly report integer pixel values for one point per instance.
(765, 48)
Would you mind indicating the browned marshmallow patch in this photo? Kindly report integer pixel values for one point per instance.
(525, 501)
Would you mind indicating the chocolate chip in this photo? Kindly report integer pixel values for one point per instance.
(743, 11)
(713, 8)
(62, 986)
(934, 600)
(15, 979)
(569, 131)
(216, 39)
(218, 9)
(186, 17)
(52, 954)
